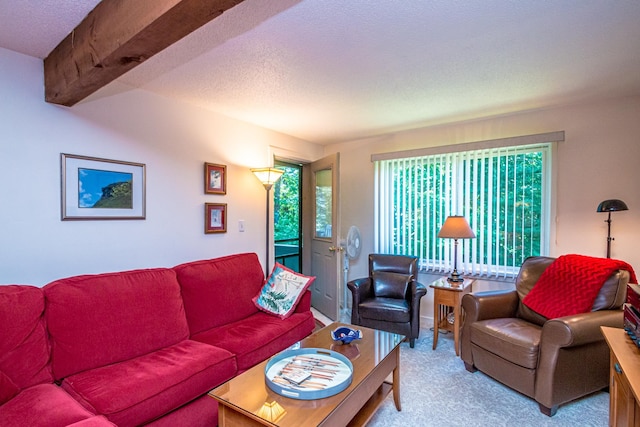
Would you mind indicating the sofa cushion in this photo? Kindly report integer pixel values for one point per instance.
(202, 412)
(24, 347)
(209, 285)
(97, 320)
(8, 389)
(259, 337)
(43, 405)
(97, 421)
(282, 291)
(390, 285)
(512, 339)
(139, 390)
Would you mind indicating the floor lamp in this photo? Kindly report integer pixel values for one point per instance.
(612, 205)
(268, 177)
(456, 227)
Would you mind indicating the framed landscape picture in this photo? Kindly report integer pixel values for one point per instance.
(215, 218)
(97, 189)
(215, 178)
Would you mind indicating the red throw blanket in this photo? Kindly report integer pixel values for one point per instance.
(571, 284)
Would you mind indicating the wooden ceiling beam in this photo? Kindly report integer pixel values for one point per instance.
(116, 36)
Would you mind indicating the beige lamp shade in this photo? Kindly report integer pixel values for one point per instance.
(456, 227)
(267, 176)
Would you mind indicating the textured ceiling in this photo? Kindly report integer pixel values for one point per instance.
(335, 70)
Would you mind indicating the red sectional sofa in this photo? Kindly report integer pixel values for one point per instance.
(138, 347)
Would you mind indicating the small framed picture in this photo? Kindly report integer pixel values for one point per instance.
(99, 189)
(215, 178)
(215, 218)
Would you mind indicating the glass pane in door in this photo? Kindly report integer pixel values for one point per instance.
(323, 199)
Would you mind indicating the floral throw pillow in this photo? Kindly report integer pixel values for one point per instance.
(282, 291)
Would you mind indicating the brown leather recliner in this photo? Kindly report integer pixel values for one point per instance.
(389, 299)
(552, 361)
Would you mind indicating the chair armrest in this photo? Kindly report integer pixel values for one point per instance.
(490, 305)
(481, 306)
(360, 290)
(579, 329)
(574, 357)
(418, 290)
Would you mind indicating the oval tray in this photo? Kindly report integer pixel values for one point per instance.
(308, 373)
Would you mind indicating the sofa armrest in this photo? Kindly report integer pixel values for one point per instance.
(304, 305)
(481, 306)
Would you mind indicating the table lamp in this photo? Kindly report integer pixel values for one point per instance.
(456, 227)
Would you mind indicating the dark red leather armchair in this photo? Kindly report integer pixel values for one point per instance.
(552, 361)
(389, 299)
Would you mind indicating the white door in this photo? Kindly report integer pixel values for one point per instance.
(324, 251)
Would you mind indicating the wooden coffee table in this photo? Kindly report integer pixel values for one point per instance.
(375, 357)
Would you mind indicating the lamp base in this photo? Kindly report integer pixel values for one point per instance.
(455, 278)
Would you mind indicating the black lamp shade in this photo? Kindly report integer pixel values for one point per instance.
(612, 205)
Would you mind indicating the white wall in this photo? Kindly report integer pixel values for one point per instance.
(173, 140)
(599, 160)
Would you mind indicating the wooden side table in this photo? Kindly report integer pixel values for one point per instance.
(624, 378)
(445, 295)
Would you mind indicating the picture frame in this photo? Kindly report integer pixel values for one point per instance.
(215, 178)
(215, 218)
(101, 189)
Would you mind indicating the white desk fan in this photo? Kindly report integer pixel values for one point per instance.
(352, 247)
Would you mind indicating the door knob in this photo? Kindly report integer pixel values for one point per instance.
(336, 248)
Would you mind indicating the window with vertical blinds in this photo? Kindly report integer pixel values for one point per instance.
(502, 191)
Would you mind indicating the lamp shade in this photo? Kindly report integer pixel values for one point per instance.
(612, 205)
(456, 227)
(267, 176)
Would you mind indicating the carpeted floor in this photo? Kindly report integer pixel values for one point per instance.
(436, 390)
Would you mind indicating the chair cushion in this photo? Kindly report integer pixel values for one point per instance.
(139, 390)
(390, 285)
(387, 309)
(512, 339)
(43, 405)
(282, 291)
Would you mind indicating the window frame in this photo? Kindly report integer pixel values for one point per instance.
(476, 269)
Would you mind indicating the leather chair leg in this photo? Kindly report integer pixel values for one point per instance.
(470, 367)
(412, 342)
(549, 412)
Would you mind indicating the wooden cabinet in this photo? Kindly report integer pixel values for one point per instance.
(624, 382)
